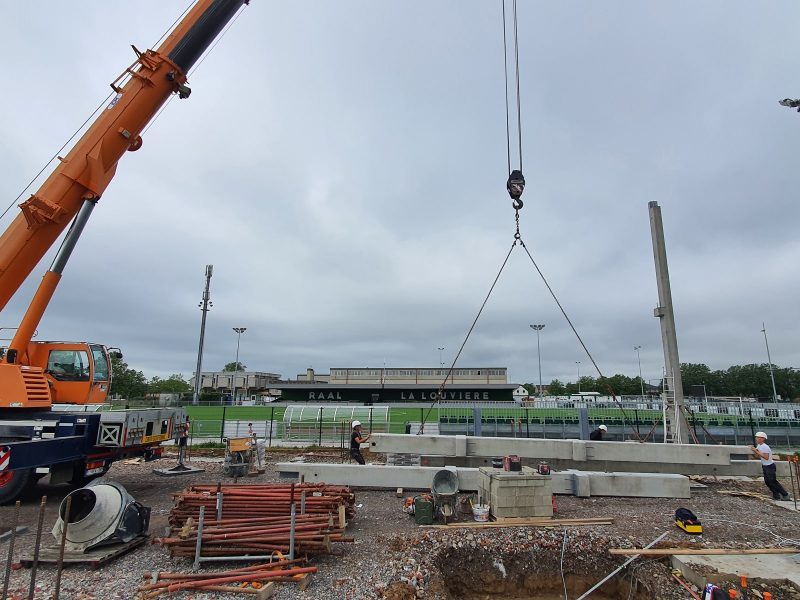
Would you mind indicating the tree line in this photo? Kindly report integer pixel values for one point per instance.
(129, 383)
(749, 381)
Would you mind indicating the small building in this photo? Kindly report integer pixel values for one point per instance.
(249, 385)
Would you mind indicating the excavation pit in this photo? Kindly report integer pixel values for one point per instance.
(479, 574)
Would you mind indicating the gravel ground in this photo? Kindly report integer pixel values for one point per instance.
(395, 559)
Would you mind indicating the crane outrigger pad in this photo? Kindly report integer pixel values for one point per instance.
(179, 469)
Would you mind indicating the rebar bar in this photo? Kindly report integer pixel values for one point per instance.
(36, 548)
(65, 526)
(11, 541)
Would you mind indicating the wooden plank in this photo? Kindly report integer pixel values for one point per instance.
(94, 558)
(699, 551)
(526, 520)
(530, 523)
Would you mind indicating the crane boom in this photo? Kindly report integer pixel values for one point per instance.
(34, 375)
(85, 172)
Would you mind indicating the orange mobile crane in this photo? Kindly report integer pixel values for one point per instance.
(74, 445)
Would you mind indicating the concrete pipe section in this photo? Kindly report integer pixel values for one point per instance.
(102, 513)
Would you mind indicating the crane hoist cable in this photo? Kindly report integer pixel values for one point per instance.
(516, 181)
(515, 186)
(518, 240)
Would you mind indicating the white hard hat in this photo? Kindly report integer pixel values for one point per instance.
(603, 427)
(761, 434)
(356, 423)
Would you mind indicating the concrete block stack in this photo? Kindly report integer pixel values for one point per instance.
(512, 494)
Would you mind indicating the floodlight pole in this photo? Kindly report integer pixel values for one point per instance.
(537, 329)
(205, 306)
(239, 331)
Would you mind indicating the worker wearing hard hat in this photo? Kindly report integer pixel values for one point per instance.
(597, 434)
(356, 439)
(764, 452)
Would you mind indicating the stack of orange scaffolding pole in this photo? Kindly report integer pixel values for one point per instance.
(256, 520)
(262, 500)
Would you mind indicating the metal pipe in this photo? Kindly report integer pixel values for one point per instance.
(622, 566)
(60, 567)
(10, 559)
(199, 543)
(292, 534)
(255, 576)
(36, 548)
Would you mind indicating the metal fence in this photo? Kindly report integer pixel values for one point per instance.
(331, 424)
(638, 419)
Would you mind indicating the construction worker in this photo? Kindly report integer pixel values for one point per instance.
(597, 434)
(356, 439)
(764, 452)
(183, 438)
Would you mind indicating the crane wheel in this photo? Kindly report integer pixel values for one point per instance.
(13, 483)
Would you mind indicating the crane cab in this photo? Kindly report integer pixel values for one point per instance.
(56, 373)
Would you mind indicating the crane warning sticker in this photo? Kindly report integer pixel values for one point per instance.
(114, 101)
(5, 457)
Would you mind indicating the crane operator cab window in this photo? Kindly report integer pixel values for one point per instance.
(100, 359)
(68, 365)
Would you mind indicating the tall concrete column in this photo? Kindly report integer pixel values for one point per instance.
(676, 427)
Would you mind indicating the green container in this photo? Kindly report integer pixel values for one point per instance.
(423, 511)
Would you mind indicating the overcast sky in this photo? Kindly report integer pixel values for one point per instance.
(343, 165)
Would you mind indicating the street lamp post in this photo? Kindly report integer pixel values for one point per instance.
(639, 359)
(441, 363)
(239, 331)
(769, 359)
(577, 362)
(537, 329)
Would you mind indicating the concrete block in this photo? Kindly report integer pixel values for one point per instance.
(461, 445)
(506, 512)
(521, 501)
(643, 485)
(579, 451)
(581, 484)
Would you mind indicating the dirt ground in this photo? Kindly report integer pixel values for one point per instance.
(393, 558)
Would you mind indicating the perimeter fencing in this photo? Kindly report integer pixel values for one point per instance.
(331, 425)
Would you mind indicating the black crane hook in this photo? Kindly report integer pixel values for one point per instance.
(515, 186)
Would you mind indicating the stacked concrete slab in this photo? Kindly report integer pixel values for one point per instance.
(523, 493)
(579, 483)
(470, 451)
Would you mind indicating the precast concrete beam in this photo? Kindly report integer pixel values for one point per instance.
(748, 468)
(634, 452)
(584, 484)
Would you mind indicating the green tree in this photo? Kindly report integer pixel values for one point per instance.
(234, 366)
(556, 388)
(174, 384)
(126, 382)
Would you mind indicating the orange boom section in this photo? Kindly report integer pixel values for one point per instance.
(89, 167)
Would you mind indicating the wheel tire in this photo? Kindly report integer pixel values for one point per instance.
(13, 483)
